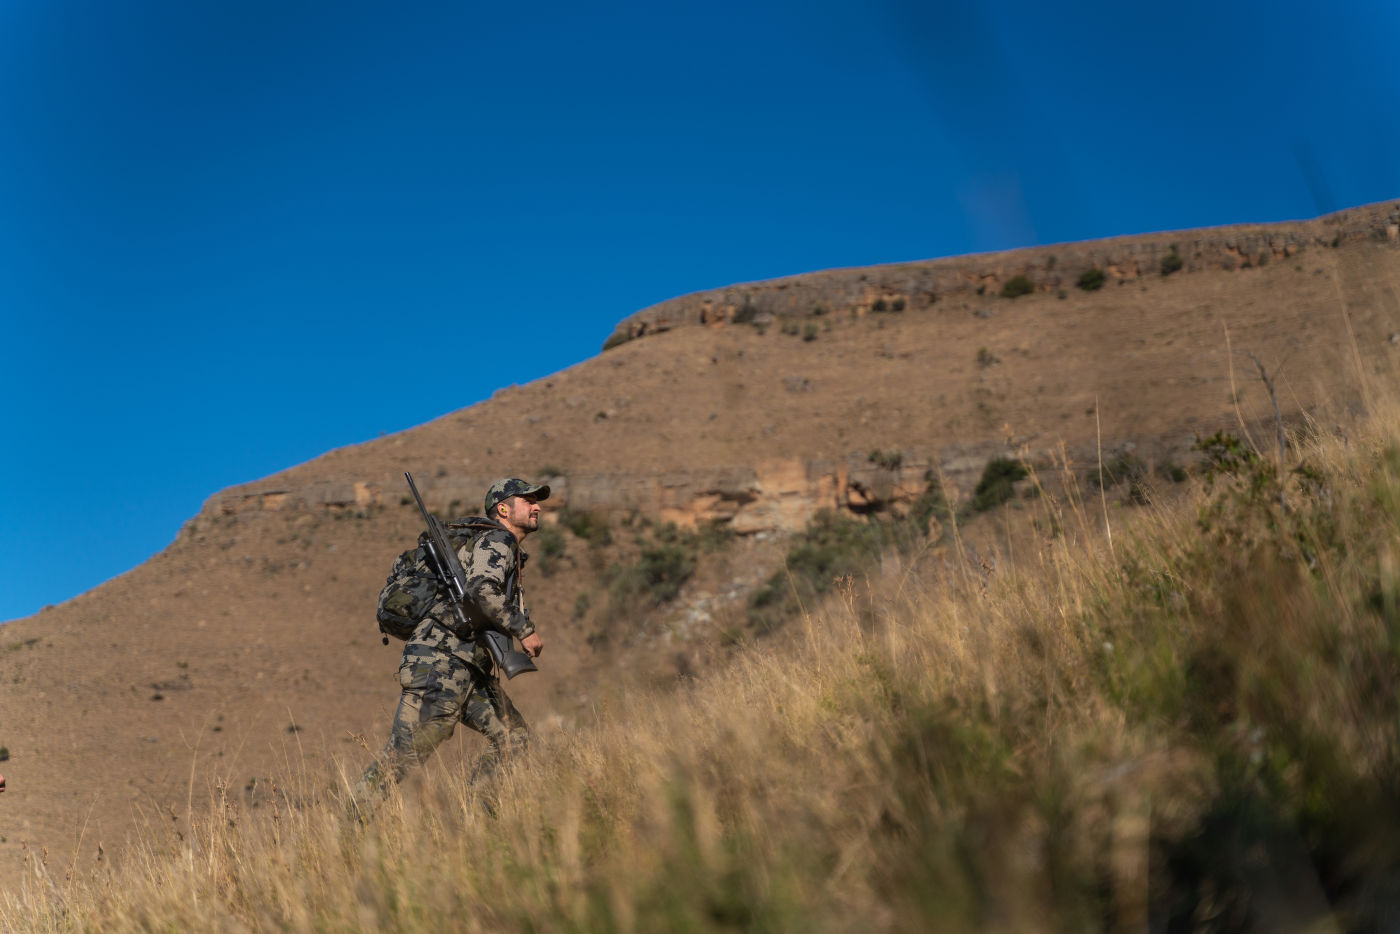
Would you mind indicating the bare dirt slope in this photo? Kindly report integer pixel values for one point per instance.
(248, 646)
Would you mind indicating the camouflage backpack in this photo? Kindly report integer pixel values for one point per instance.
(412, 587)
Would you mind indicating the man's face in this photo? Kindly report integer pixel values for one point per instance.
(522, 512)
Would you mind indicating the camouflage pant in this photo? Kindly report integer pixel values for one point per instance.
(439, 690)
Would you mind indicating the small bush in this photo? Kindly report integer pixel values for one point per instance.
(4, 753)
(998, 483)
(1091, 280)
(832, 546)
(746, 313)
(809, 332)
(655, 578)
(590, 527)
(986, 358)
(616, 339)
(879, 305)
(1172, 262)
(897, 305)
(1017, 286)
(890, 460)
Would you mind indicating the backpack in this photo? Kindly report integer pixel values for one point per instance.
(412, 588)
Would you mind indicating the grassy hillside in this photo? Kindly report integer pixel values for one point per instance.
(1193, 721)
(253, 630)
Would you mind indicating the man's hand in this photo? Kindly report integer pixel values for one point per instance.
(2, 783)
(533, 644)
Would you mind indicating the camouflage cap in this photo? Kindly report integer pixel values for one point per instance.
(504, 489)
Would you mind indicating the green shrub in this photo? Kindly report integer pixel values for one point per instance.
(746, 313)
(1091, 280)
(890, 460)
(897, 305)
(998, 483)
(878, 305)
(655, 578)
(616, 339)
(986, 358)
(835, 546)
(1017, 286)
(832, 546)
(588, 526)
(1172, 262)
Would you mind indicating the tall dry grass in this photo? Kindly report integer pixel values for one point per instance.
(1193, 731)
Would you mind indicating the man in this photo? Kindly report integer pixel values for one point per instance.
(447, 675)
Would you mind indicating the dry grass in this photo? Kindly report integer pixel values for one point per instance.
(1198, 729)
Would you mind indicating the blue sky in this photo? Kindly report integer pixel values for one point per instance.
(229, 230)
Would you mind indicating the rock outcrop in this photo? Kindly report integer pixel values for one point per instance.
(920, 285)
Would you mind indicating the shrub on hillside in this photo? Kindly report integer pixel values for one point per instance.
(1017, 286)
(588, 526)
(833, 546)
(1172, 262)
(997, 484)
(616, 339)
(655, 578)
(1091, 280)
(890, 460)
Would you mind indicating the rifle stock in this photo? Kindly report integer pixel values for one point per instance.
(454, 580)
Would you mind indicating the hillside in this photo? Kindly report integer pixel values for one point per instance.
(1190, 728)
(249, 642)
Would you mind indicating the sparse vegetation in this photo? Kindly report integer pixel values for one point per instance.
(1173, 471)
(985, 358)
(1123, 467)
(1172, 262)
(998, 483)
(549, 549)
(591, 527)
(582, 603)
(809, 332)
(654, 578)
(1091, 280)
(833, 546)
(890, 460)
(1017, 286)
(1199, 730)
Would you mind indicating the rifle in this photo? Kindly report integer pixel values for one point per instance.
(454, 580)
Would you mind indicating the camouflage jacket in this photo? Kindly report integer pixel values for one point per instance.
(492, 563)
